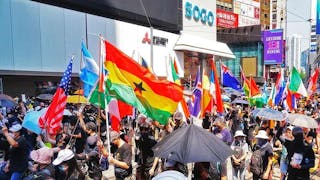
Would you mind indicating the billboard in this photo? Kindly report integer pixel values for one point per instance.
(318, 18)
(226, 19)
(273, 46)
(249, 12)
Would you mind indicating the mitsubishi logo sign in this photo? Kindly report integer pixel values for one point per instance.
(159, 41)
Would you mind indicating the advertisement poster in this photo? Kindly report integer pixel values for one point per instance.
(273, 46)
(227, 19)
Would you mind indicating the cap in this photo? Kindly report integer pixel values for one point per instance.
(92, 126)
(63, 155)
(262, 134)
(239, 133)
(114, 135)
(15, 128)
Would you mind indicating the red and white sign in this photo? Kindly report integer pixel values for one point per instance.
(227, 19)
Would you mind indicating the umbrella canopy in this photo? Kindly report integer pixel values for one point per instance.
(192, 144)
(302, 120)
(77, 99)
(240, 101)
(170, 175)
(269, 114)
(7, 101)
(45, 97)
(225, 98)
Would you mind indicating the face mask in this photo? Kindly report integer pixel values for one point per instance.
(261, 142)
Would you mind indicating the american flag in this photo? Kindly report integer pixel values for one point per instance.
(51, 119)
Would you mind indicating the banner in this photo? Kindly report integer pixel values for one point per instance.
(318, 18)
(273, 46)
(227, 19)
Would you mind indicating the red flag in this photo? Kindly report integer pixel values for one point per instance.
(214, 77)
(115, 123)
(51, 119)
(312, 87)
(254, 90)
(124, 109)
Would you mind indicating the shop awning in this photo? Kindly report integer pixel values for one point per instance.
(188, 42)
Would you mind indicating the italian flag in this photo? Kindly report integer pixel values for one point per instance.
(134, 85)
(296, 84)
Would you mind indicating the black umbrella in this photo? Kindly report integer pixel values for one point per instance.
(192, 144)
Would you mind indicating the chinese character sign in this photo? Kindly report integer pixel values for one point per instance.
(226, 19)
(273, 46)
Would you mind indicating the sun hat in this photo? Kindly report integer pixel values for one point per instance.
(114, 135)
(42, 155)
(262, 134)
(15, 128)
(239, 133)
(63, 155)
(290, 128)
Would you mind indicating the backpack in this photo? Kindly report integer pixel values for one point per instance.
(256, 163)
(238, 152)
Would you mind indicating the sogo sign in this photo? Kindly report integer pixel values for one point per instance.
(197, 13)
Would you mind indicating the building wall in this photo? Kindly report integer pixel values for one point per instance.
(294, 52)
(265, 14)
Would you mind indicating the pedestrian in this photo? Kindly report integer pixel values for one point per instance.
(261, 159)
(122, 157)
(18, 153)
(240, 153)
(284, 152)
(300, 155)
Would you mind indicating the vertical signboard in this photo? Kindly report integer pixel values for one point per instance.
(273, 46)
(318, 18)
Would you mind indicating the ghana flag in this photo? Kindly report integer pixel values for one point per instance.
(159, 98)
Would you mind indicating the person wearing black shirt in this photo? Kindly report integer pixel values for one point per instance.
(300, 155)
(18, 153)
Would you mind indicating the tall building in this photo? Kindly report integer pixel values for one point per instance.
(278, 14)
(265, 14)
(294, 52)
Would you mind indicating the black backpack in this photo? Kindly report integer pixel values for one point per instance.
(256, 163)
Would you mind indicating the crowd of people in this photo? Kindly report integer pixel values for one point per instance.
(83, 148)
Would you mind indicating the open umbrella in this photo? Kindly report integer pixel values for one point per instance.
(269, 114)
(240, 101)
(170, 175)
(77, 99)
(192, 144)
(31, 119)
(302, 120)
(7, 101)
(225, 98)
(45, 97)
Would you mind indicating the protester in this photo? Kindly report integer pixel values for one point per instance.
(300, 155)
(287, 136)
(261, 160)
(122, 157)
(240, 153)
(17, 163)
(42, 167)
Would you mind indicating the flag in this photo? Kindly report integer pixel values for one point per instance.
(175, 65)
(99, 96)
(89, 72)
(215, 87)
(197, 96)
(265, 93)
(183, 107)
(51, 119)
(228, 79)
(312, 87)
(144, 63)
(131, 83)
(254, 89)
(207, 97)
(175, 76)
(289, 100)
(118, 110)
(296, 84)
(271, 97)
(279, 87)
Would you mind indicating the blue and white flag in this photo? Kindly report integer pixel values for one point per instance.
(89, 72)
